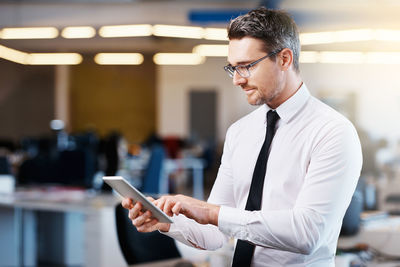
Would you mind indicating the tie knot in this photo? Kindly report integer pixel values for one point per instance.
(272, 118)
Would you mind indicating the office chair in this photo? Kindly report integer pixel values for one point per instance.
(153, 173)
(142, 247)
(4, 165)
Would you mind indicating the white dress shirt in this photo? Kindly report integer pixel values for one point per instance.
(312, 171)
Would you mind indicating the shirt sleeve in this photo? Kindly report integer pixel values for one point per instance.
(329, 184)
(191, 233)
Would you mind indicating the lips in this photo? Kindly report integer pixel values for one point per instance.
(249, 90)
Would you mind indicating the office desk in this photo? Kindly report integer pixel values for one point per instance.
(87, 228)
(383, 235)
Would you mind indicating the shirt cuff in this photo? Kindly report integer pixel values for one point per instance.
(233, 222)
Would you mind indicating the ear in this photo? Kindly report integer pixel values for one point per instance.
(286, 58)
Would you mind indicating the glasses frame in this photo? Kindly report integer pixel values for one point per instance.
(231, 69)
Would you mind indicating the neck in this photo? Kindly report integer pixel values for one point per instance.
(292, 82)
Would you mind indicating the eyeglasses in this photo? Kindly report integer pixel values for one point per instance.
(244, 70)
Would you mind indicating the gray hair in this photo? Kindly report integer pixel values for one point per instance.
(275, 28)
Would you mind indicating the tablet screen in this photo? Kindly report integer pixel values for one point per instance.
(126, 190)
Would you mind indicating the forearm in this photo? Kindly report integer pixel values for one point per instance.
(196, 235)
(296, 230)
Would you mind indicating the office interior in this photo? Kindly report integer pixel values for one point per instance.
(68, 117)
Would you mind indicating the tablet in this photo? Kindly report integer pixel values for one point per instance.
(126, 190)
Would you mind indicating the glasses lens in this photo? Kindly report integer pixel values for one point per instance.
(229, 70)
(243, 71)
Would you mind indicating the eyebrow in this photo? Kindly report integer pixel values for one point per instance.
(241, 62)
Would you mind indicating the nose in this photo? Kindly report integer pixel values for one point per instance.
(238, 80)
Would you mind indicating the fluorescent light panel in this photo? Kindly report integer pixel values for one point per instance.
(29, 33)
(54, 59)
(178, 59)
(78, 32)
(219, 34)
(119, 59)
(387, 35)
(126, 30)
(13, 55)
(336, 57)
(178, 31)
(309, 57)
(211, 50)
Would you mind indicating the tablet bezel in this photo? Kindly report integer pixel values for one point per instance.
(126, 190)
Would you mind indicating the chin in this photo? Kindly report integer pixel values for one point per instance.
(255, 102)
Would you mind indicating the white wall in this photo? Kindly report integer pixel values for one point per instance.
(376, 87)
(174, 84)
(377, 90)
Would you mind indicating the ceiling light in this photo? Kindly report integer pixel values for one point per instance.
(336, 36)
(13, 55)
(316, 38)
(309, 57)
(78, 32)
(383, 58)
(178, 59)
(178, 31)
(54, 59)
(387, 35)
(211, 50)
(29, 33)
(125, 30)
(342, 57)
(352, 35)
(119, 58)
(216, 34)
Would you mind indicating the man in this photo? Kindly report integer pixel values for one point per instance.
(288, 169)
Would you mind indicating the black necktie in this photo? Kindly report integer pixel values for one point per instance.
(244, 250)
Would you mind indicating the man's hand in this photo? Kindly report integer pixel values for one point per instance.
(143, 221)
(200, 211)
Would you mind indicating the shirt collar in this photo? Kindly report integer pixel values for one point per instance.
(291, 106)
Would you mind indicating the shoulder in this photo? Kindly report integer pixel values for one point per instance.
(325, 116)
(329, 126)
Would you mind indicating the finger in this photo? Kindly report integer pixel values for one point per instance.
(135, 211)
(160, 203)
(150, 198)
(127, 203)
(169, 204)
(148, 227)
(141, 219)
(176, 209)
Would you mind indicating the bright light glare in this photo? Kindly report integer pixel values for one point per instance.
(383, 58)
(387, 35)
(178, 31)
(211, 50)
(341, 57)
(178, 59)
(29, 33)
(78, 32)
(316, 38)
(352, 35)
(13, 55)
(216, 34)
(119, 59)
(54, 59)
(125, 30)
(309, 57)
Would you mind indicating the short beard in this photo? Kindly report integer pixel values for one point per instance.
(262, 100)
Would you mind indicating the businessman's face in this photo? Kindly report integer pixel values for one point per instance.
(266, 80)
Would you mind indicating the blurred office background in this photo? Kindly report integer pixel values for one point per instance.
(68, 116)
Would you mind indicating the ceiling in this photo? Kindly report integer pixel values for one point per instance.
(310, 15)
